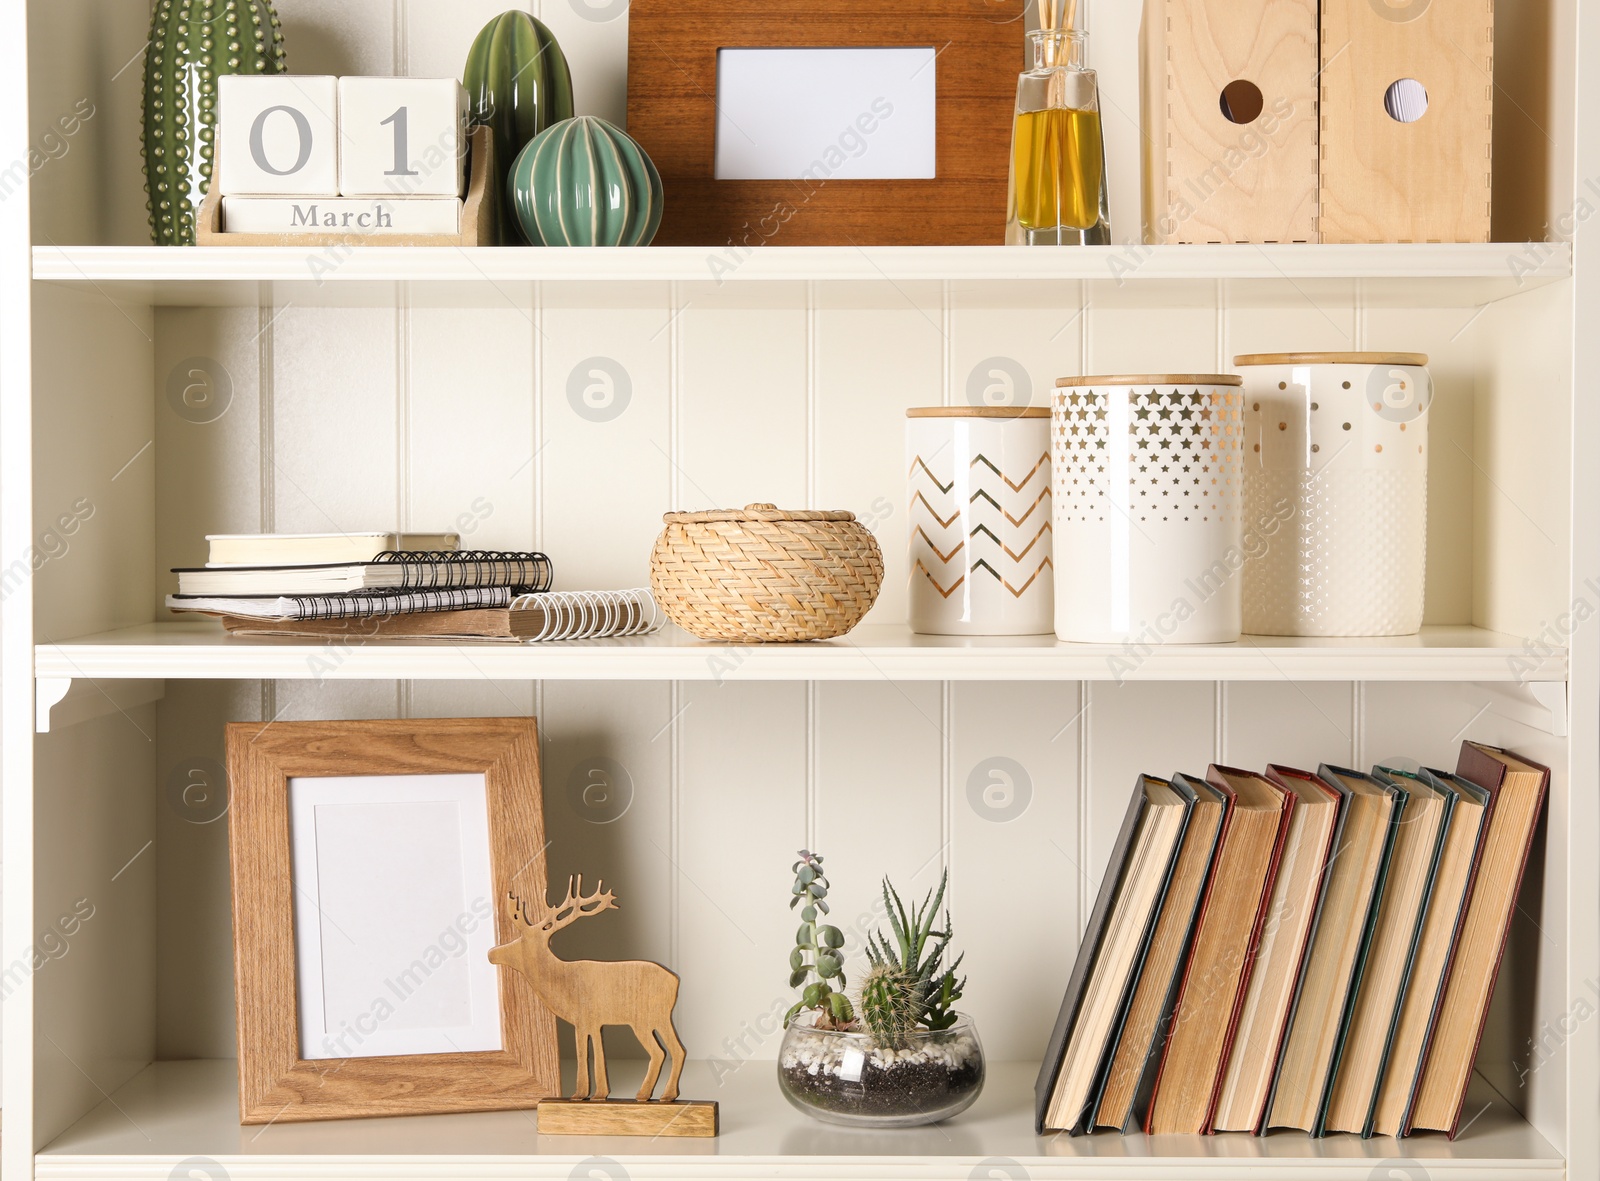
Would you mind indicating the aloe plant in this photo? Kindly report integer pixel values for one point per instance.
(818, 951)
(906, 986)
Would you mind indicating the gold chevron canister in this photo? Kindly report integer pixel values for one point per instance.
(981, 533)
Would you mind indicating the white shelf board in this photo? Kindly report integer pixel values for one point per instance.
(1416, 274)
(173, 1111)
(201, 650)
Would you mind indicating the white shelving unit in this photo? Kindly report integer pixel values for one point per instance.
(873, 652)
(1414, 274)
(178, 1108)
(445, 389)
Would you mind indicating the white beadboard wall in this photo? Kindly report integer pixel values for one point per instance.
(348, 417)
(353, 417)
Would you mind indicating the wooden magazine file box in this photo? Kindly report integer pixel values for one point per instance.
(1229, 98)
(1383, 180)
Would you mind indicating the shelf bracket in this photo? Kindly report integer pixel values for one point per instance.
(48, 692)
(59, 702)
(1533, 703)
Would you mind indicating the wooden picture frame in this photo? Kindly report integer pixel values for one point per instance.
(275, 1082)
(672, 112)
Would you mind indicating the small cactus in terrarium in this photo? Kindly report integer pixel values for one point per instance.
(906, 987)
(901, 1055)
(818, 951)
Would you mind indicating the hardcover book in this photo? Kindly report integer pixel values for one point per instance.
(1130, 1074)
(1111, 952)
(1225, 941)
(1520, 788)
(1407, 888)
(1332, 967)
(1253, 1055)
(1458, 858)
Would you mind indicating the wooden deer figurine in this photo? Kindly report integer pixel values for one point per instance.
(588, 994)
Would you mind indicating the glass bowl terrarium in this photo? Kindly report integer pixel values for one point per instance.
(907, 1057)
(842, 1077)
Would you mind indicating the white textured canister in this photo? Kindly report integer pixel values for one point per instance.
(1147, 474)
(979, 496)
(1336, 492)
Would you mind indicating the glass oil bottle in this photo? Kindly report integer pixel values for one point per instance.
(1058, 169)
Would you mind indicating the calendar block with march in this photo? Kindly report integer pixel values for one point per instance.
(402, 137)
(278, 135)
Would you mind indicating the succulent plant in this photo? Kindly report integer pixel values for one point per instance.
(906, 986)
(191, 43)
(818, 951)
(889, 1006)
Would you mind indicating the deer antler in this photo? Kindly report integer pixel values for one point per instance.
(577, 905)
(519, 910)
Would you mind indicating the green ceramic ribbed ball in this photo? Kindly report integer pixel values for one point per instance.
(192, 42)
(518, 84)
(585, 182)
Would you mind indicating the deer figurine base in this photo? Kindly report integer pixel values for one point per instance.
(591, 994)
(626, 1117)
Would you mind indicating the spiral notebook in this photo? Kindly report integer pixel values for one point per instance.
(390, 571)
(353, 605)
(550, 615)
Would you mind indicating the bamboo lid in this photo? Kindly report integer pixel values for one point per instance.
(754, 512)
(1418, 359)
(1153, 379)
(978, 412)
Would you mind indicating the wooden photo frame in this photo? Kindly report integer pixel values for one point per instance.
(371, 791)
(673, 112)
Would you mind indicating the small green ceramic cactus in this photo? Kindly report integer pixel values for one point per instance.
(191, 43)
(518, 83)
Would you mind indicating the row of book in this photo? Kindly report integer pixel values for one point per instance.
(1289, 950)
(397, 586)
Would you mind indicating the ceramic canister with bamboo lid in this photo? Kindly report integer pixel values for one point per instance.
(980, 525)
(1336, 492)
(1147, 480)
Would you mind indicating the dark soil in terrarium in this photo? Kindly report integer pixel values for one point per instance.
(907, 1089)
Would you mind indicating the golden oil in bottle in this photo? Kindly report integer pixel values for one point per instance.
(1057, 168)
(1058, 181)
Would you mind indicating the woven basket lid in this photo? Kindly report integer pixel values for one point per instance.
(754, 512)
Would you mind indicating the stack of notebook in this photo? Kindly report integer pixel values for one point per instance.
(1288, 950)
(396, 586)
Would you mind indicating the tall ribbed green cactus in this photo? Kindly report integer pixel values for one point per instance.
(191, 43)
(518, 83)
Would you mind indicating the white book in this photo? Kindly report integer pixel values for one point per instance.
(311, 549)
(407, 572)
(341, 215)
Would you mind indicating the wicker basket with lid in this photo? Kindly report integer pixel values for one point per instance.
(762, 574)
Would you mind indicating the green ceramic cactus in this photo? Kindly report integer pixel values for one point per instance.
(585, 182)
(191, 43)
(518, 84)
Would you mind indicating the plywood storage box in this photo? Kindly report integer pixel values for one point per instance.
(1229, 101)
(1386, 179)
